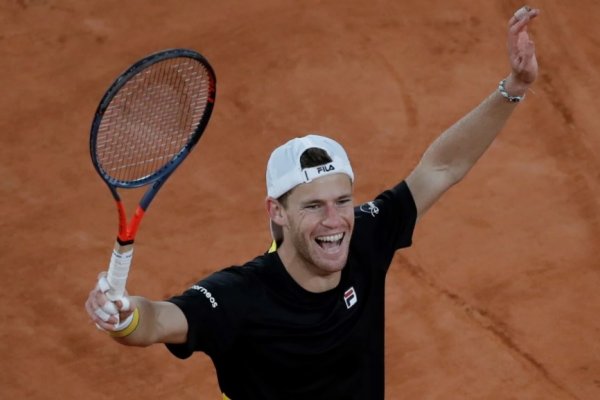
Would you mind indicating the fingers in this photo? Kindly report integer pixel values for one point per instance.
(522, 12)
(526, 52)
(94, 307)
(521, 49)
(522, 16)
(104, 313)
(103, 284)
(124, 304)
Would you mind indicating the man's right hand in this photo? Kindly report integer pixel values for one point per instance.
(109, 316)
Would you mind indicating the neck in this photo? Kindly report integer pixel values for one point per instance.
(306, 274)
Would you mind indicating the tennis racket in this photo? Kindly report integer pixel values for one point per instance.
(146, 124)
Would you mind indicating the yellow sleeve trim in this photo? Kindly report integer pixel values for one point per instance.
(225, 397)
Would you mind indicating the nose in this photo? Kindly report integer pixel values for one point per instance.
(331, 216)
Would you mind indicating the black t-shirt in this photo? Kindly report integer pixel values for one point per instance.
(271, 339)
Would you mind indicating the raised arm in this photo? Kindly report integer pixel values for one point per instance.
(453, 154)
(145, 322)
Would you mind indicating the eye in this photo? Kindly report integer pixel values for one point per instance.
(312, 206)
(344, 201)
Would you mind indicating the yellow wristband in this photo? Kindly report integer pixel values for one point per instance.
(130, 328)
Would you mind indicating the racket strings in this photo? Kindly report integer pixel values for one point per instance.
(152, 119)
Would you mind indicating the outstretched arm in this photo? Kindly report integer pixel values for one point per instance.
(453, 154)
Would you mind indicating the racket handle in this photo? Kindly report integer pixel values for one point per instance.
(118, 270)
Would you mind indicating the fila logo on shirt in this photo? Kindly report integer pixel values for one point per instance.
(350, 297)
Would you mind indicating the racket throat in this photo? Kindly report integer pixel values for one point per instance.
(127, 231)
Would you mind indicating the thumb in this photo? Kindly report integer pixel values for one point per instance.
(124, 303)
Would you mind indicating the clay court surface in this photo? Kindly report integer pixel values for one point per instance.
(499, 297)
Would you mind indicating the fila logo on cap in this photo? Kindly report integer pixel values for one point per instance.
(350, 297)
(325, 168)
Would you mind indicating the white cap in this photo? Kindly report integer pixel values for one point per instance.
(285, 173)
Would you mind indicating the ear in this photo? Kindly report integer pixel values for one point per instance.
(276, 211)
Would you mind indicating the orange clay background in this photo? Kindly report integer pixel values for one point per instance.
(499, 298)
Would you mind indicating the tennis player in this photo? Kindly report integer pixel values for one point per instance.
(306, 319)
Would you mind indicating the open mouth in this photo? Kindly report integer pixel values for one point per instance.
(331, 241)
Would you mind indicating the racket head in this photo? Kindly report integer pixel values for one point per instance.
(151, 117)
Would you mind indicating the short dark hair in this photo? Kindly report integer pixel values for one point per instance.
(311, 157)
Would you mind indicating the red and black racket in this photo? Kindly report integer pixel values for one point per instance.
(147, 123)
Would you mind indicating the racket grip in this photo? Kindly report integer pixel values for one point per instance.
(118, 270)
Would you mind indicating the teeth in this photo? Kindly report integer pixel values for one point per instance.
(332, 238)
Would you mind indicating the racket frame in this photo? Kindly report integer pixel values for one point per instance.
(122, 252)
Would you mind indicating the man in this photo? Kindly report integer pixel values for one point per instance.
(306, 320)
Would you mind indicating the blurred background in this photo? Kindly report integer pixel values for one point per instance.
(498, 297)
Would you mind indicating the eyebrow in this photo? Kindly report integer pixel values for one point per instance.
(317, 200)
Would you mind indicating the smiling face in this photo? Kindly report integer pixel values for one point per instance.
(317, 221)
